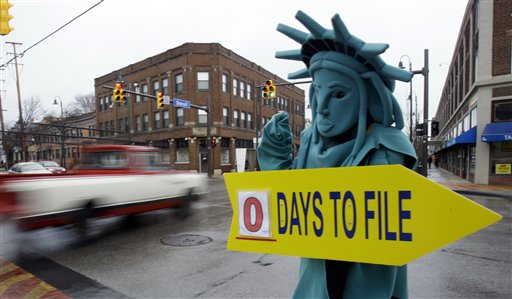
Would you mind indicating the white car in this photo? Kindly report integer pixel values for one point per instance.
(28, 168)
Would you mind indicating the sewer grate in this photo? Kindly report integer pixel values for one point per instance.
(185, 240)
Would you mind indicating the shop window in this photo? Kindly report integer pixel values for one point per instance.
(182, 151)
(501, 157)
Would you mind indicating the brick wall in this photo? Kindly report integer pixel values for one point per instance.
(502, 37)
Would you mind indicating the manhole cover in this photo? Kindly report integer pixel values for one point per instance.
(185, 240)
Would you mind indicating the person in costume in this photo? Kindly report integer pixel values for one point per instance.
(356, 121)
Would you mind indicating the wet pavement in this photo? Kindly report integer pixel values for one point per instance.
(462, 186)
(138, 263)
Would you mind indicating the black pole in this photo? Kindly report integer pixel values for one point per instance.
(209, 136)
(425, 116)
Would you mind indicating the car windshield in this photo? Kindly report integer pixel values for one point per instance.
(30, 167)
(50, 164)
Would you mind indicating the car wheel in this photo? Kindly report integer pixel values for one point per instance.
(83, 215)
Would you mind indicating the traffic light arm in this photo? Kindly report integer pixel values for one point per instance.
(204, 108)
(284, 84)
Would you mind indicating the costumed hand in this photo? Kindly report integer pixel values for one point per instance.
(275, 151)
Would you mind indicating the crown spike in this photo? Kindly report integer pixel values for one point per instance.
(317, 30)
(300, 74)
(340, 30)
(374, 49)
(290, 54)
(396, 73)
(295, 34)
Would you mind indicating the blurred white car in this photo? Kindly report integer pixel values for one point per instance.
(28, 168)
(52, 166)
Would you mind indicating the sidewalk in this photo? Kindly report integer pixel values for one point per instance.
(462, 186)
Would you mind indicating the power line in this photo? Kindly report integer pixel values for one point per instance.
(40, 41)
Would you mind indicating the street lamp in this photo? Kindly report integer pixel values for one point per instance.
(424, 71)
(401, 65)
(62, 148)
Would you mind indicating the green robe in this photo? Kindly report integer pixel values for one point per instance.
(382, 145)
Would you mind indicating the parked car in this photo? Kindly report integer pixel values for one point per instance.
(53, 166)
(28, 168)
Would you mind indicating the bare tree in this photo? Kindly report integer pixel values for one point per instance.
(33, 110)
(83, 103)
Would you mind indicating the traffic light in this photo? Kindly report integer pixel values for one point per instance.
(214, 142)
(160, 100)
(434, 128)
(269, 90)
(5, 17)
(119, 93)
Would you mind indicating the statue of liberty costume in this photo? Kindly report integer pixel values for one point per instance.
(355, 121)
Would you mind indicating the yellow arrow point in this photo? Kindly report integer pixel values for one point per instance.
(374, 214)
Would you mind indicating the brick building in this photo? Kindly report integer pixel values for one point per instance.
(199, 73)
(47, 141)
(475, 109)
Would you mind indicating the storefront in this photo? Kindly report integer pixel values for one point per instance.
(499, 137)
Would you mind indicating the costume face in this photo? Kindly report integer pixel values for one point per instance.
(338, 98)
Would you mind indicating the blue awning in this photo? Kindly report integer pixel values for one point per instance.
(468, 137)
(497, 132)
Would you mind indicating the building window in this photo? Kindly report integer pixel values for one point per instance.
(145, 124)
(242, 117)
(202, 116)
(178, 83)
(156, 120)
(225, 116)
(144, 89)
(249, 91)
(249, 120)
(166, 119)
(137, 90)
(101, 104)
(105, 107)
(156, 87)
(112, 128)
(242, 89)
(120, 123)
(473, 117)
(180, 119)
(127, 124)
(138, 123)
(203, 80)
(235, 87)
(165, 86)
(182, 151)
(236, 119)
(502, 111)
(225, 83)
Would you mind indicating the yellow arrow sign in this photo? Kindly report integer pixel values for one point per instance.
(386, 215)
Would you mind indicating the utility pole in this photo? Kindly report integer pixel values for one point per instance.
(22, 125)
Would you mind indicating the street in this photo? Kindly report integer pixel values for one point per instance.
(163, 256)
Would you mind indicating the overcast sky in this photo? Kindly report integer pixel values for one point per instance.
(117, 33)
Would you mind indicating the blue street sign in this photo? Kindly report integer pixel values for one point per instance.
(181, 103)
